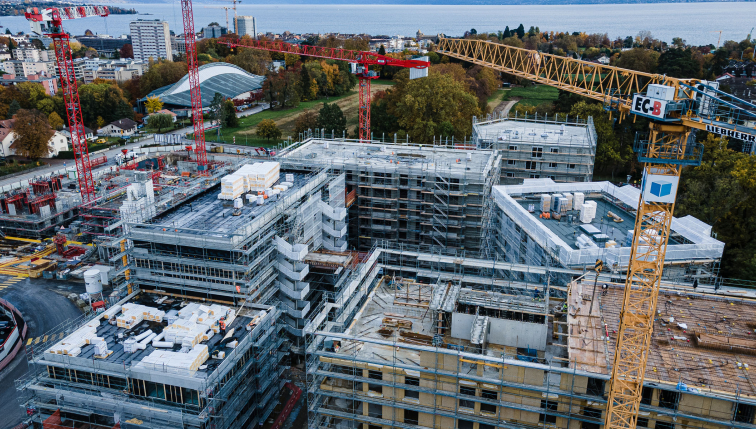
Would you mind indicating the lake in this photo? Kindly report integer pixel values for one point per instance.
(697, 23)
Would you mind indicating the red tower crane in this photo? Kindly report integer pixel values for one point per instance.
(361, 60)
(55, 16)
(194, 84)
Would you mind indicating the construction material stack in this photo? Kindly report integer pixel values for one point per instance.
(255, 177)
(588, 211)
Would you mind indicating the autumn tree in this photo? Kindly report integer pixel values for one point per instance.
(105, 100)
(159, 121)
(252, 60)
(55, 121)
(100, 122)
(722, 193)
(307, 120)
(33, 134)
(153, 104)
(228, 114)
(14, 107)
(639, 59)
(610, 155)
(422, 105)
(268, 129)
(331, 119)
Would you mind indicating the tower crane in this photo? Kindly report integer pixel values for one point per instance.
(677, 107)
(54, 16)
(360, 60)
(194, 84)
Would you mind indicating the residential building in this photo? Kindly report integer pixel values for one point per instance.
(27, 52)
(25, 68)
(57, 142)
(50, 83)
(105, 43)
(178, 45)
(4, 53)
(213, 31)
(120, 128)
(88, 133)
(544, 223)
(247, 26)
(413, 194)
(560, 148)
(151, 39)
(443, 341)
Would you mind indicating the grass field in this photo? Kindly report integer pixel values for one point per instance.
(246, 133)
(496, 98)
(532, 95)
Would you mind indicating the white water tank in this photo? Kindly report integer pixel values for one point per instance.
(93, 281)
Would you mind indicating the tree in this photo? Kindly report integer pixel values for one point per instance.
(153, 104)
(252, 60)
(520, 31)
(100, 122)
(215, 107)
(307, 120)
(213, 24)
(678, 63)
(422, 105)
(55, 121)
(33, 134)
(382, 50)
(159, 121)
(268, 129)
(609, 154)
(127, 51)
(331, 118)
(506, 33)
(639, 59)
(228, 112)
(13, 108)
(678, 42)
(722, 193)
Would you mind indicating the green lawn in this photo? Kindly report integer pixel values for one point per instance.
(285, 119)
(532, 95)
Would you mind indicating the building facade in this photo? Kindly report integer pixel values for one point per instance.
(213, 31)
(151, 39)
(559, 148)
(26, 68)
(247, 26)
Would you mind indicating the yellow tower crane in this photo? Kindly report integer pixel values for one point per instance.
(677, 107)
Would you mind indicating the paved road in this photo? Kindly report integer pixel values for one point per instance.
(43, 309)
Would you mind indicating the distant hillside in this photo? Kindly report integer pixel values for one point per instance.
(20, 8)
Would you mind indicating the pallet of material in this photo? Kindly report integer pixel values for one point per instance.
(397, 323)
(721, 342)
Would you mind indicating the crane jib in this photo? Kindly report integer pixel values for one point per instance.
(747, 137)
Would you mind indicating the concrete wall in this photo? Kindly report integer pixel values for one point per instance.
(503, 332)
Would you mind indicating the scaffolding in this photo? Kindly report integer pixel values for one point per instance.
(386, 364)
(532, 146)
(408, 193)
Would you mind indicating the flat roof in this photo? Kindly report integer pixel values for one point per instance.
(569, 231)
(388, 156)
(514, 131)
(209, 214)
(691, 238)
(115, 336)
(706, 345)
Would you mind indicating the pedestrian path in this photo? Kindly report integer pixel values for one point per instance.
(45, 338)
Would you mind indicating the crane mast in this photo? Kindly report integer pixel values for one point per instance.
(194, 84)
(67, 75)
(677, 108)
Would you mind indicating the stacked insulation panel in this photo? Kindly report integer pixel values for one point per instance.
(588, 211)
(249, 178)
(72, 344)
(545, 203)
(134, 313)
(578, 198)
(569, 200)
(190, 361)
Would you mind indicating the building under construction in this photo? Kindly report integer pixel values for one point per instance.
(458, 344)
(560, 148)
(38, 209)
(571, 225)
(406, 193)
(156, 361)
